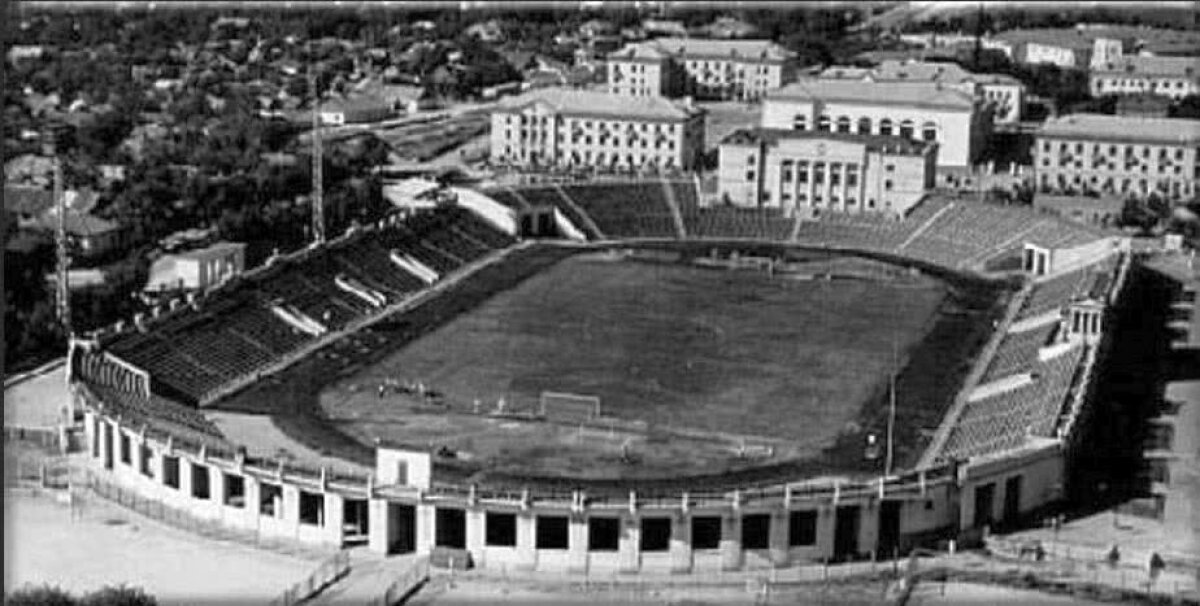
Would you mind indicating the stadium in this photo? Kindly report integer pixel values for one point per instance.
(615, 375)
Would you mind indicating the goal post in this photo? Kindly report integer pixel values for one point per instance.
(569, 406)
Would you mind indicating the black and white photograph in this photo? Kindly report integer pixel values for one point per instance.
(637, 303)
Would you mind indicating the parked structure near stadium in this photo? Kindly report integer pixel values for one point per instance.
(813, 171)
(1000, 454)
(575, 128)
(1118, 155)
(703, 68)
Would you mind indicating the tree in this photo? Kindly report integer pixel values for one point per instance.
(121, 595)
(40, 596)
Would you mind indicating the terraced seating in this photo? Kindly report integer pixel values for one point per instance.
(625, 210)
(733, 222)
(156, 411)
(1006, 419)
(1018, 352)
(264, 328)
(1054, 293)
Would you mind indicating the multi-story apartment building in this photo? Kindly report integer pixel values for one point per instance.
(924, 111)
(702, 68)
(578, 128)
(1005, 93)
(1174, 77)
(1118, 155)
(811, 172)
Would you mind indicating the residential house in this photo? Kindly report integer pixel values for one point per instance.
(357, 109)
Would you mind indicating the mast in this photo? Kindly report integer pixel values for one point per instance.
(318, 184)
(62, 286)
(891, 426)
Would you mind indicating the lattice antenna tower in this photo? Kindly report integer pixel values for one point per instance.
(62, 291)
(318, 177)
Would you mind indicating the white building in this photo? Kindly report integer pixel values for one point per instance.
(812, 172)
(579, 128)
(703, 68)
(197, 269)
(1005, 93)
(926, 111)
(1113, 72)
(1118, 155)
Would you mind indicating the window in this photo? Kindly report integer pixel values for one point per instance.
(604, 534)
(891, 168)
(864, 125)
(270, 500)
(802, 528)
(802, 172)
(887, 185)
(235, 491)
(706, 532)
(929, 132)
(823, 124)
(551, 532)
(144, 462)
(843, 124)
(885, 126)
(756, 531)
(170, 471)
(835, 174)
(749, 175)
(126, 450)
(906, 129)
(500, 529)
(852, 175)
(819, 172)
(312, 508)
(750, 160)
(200, 481)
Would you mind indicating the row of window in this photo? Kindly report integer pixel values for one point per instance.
(1164, 152)
(1162, 169)
(553, 531)
(886, 126)
(598, 158)
(602, 140)
(1143, 83)
(578, 124)
(1110, 185)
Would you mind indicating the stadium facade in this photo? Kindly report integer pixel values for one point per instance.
(1001, 453)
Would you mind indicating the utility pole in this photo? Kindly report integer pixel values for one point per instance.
(318, 184)
(63, 259)
(891, 426)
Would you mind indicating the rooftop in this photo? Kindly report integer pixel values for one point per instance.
(576, 101)
(893, 144)
(705, 47)
(893, 70)
(926, 94)
(218, 249)
(1178, 131)
(1182, 67)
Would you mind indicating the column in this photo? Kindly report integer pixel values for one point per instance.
(335, 518)
(185, 478)
(426, 519)
(826, 518)
(681, 543)
(844, 188)
(577, 543)
(526, 542)
(476, 519)
(291, 510)
(868, 526)
(216, 488)
(379, 526)
(630, 544)
(810, 187)
(780, 521)
(253, 493)
(731, 541)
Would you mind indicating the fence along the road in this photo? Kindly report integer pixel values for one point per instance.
(329, 572)
(406, 584)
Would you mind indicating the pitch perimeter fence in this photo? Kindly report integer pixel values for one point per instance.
(329, 572)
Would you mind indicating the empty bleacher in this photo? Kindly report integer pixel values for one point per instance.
(625, 210)
(1055, 292)
(1007, 419)
(195, 352)
(1018, 352)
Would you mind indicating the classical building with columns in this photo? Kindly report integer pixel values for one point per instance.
(921, 111)
(577, 128)
(703, 68)
(1123, 155)
(1005, 93)
(813, 171)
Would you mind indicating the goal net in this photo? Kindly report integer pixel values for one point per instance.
(578, 408)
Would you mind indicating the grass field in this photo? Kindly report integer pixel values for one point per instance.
(701, 356)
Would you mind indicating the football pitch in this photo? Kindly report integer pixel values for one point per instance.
(678, 347)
